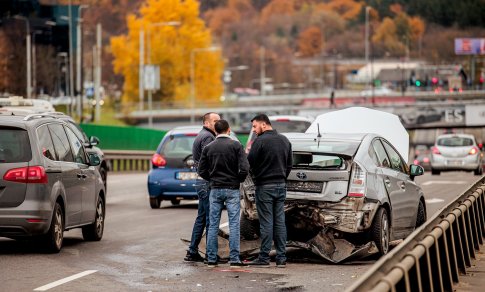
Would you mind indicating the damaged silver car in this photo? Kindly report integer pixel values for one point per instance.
(348, 196)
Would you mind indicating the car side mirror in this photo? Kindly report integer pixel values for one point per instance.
(416, 170)
(94, 159)
(93, 140)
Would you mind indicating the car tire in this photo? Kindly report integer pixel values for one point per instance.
(94, 231)
(175, 202)
(155, 203)
(54, 237)
(380, 231)
(478, 171)
(435, 172)
(249, 229)
(421, 216)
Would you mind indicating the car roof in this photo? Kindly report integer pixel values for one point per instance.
(186, 130)
(291, 118)
(357, 137)
(22, 119)
(455, 135)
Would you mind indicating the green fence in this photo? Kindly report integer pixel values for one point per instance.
(130, 138)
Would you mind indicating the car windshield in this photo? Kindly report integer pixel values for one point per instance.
(317, 161)
(347, 148)
(455, 142)
(178, 146)
(14, 145)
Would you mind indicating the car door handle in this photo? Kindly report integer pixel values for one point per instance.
(403, 186)
(387, 181)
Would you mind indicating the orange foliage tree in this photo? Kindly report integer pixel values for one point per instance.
(171, 48)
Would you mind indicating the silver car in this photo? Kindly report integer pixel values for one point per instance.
(348, 195)
(453, 152)
(48, 183)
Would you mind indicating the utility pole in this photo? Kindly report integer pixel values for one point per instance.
(98, 73)
(140, 74)
(79, 50)
(262, 74)
(71, 73)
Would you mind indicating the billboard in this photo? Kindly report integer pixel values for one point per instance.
(470, 46)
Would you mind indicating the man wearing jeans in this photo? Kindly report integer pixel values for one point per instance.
(205, 136)
(224, 164)
(271, 160)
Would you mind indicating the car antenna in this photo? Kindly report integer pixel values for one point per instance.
(318, 129)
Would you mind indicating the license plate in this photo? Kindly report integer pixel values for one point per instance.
(187, 175)
(304, 186)
(455, 162)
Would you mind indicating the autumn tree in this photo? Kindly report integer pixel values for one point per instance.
(171, 48)
(348, 9)
(310, 42)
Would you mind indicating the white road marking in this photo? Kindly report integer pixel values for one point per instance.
(65, 280)
(444, 182)
(434, 201)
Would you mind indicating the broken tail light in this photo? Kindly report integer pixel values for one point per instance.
(357, 181)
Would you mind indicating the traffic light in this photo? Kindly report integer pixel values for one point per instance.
(417, 83)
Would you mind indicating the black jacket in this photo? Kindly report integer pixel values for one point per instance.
(224, 163)
(270, 158)
(203, 139)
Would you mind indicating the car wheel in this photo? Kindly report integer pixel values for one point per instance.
(175, 202)
(55, 236)
(380, 231)
(435, 172)
(479, 171)
(421, 217)
(94, 231)
(155, 203)
(249, 229)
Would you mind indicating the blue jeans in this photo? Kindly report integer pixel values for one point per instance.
(232, 199)
(270, 203)
(202, 220)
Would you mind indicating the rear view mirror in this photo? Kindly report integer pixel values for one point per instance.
(416, 170)
(94, 159)
(93, 141)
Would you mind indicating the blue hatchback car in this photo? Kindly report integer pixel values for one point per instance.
(172, 176)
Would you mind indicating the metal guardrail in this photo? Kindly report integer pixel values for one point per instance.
(434, 255)
(128, 160)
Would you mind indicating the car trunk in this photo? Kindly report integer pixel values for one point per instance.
(14, 154)
(454, 152)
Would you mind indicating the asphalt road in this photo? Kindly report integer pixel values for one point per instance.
(141, 251)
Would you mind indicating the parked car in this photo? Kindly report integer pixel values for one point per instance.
(378, 91)
(420, 115)
(173, 176)
(283, 124)
(48, 183)
(453, 152)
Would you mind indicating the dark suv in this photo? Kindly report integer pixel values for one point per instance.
(48, 183)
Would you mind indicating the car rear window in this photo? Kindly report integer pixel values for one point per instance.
(288, 126)
(178, 146)
(455, 142)
(14, 145)
(347, 148)
(317, 161)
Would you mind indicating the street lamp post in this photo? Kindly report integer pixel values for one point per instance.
(142, 61)
(192, 77)
(28, 54)
(79, 50)
(150, 91)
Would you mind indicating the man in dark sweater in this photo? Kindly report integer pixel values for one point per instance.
(205, 136)
(270, 159)
(224, 164)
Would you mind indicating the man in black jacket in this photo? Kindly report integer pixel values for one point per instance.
(224, 164)
(271, 161)
(205, 136)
